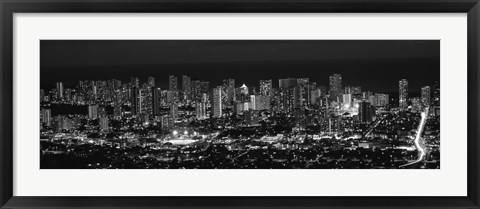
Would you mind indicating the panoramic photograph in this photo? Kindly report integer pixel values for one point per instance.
(239, 104)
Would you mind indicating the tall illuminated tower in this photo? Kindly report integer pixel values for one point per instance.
(426, 96)
(187, 87)
(172, 83)
(403, 93)
(60, 91)
(217, 102)
(335, 87)
(151, 81)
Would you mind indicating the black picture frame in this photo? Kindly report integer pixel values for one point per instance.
(9, 7)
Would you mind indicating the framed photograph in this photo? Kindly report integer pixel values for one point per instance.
(239, 104)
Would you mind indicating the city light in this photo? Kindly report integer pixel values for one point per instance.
(300, 124)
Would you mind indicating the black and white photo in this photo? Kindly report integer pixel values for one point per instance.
(240, 104)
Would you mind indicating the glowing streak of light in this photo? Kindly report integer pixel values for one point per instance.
(417, 139)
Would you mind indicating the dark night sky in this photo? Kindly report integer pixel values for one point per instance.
(374, 65)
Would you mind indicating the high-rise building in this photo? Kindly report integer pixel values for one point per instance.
(266, 87)
(426, 96)
(302, 90)
(134, 82)
(157, 101)
(289, 95)
(365, 112)
(170, 96)
(366, 95)
(199, 88)
(244, 89)
(137, 101)
(315, 96)
(60, 91)
(174, 110)
(200, 110)
(403, 93)
(287, 99)
(93, 111)
(381, 100)
(312, 86)
(353, 90)
(287, 83)
(151, 81)
(117, 110)
(229, 85)
(172, 83)
(167, 122)
(46, 116)
(187, 87)
(253, 102)
(94, 90)
(347, 100)
(103, 123)
(372, 99)
(335, 87)
(217, 102)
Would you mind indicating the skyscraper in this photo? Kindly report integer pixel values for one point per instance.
(60, 91)
(103, 123)
(302, 85)
(157, 96)
(230, 90)
(266, 92)
(353, 90)
(217, 102)
(199, 88)
(365, 112)
(347, 100)
(174, 110)
(314, 96)
(46, 116)
(134, 82)
(93, 111)
(136, 102)
(151, 81)
(382, 99)
(403, 93)
(244, 89)
(287, 83)
(172, 83)
(187, 87)
(253, 102)
(426, 96)
(335, 87)
(200, 111)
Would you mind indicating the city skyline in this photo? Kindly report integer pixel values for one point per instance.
(268, 121)
(417, 61)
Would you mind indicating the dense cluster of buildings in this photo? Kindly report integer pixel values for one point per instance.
(112, 112)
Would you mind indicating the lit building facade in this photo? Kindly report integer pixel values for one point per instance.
(403, 93)
(335, 87)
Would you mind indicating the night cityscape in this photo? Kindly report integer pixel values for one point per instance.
(160, 116)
